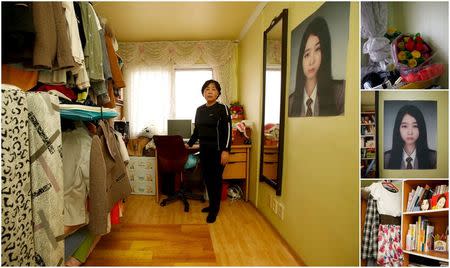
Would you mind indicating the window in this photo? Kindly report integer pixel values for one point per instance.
(273, 96)
(159, 94)
(188, 85)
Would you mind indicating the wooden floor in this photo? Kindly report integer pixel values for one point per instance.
(167, 236)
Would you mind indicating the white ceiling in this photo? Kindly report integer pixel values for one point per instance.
(170, 21)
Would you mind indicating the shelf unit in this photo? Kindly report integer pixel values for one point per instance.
(368, 144)
(438, 218)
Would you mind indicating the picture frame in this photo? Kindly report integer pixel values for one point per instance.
(319, 47)
(393, 110)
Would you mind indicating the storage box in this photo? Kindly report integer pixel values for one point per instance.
(141, 171)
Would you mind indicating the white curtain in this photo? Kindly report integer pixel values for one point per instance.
(149, 69)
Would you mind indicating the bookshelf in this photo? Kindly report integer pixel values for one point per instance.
(368, 144)
(437, 218)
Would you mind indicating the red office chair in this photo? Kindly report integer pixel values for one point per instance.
(172, 155)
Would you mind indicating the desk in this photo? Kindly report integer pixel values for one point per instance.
(237, 167)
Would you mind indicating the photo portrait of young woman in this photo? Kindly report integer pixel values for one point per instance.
(413, 129)
(314, 89)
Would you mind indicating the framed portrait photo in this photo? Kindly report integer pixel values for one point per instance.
(318, 62)
(412, 134)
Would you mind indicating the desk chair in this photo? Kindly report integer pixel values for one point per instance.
(171, 157)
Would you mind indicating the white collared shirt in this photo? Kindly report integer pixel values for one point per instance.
(413, 156)
(312, 97)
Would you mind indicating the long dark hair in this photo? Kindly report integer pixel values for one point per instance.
(422, 150)
(319, 28)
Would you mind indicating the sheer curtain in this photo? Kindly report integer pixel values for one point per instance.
(149, 74)
(147, 98)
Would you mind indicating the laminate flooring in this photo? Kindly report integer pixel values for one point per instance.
(150, 235)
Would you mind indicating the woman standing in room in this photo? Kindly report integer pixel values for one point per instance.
(213, 128)
(409, 142)
(316, 93)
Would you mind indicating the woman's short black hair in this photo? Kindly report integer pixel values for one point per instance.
(421, 143)
(317, 27)
(206, 84)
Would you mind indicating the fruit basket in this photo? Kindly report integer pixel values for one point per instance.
(413, 56)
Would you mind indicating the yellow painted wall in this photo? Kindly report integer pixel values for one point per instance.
(320, 190)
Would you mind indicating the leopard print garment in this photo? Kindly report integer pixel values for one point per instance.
(17, 228)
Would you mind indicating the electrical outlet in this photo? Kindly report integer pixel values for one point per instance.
(275, 205)
(280, 211)
(272, 203)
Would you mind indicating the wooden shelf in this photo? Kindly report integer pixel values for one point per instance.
(428, 213)
(365, 158)
(370, 124)
(368, 135)
(435, 255)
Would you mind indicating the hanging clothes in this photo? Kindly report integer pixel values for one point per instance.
(388, 203)
(93, 49)
(17, 228)
(369, 242)
(76, 158)
(389, 207)
(52, 45)
(46, 177)
(109, 181)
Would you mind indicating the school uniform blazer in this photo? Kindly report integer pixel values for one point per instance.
(324, 109)
(431, 156)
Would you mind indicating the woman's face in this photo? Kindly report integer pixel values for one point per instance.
(409, 130)
(312, 57)
(211, 93)
(441, 202)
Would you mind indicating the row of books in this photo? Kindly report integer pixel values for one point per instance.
(416, 196)
(420, 235)
(367, 130)
(368, 119)
(367, 142)
(368, 153)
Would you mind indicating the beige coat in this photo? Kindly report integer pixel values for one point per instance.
(109, 181)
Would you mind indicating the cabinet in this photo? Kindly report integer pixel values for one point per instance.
(270, 161)
(141, 171)
(368, 145)
(238, 165)
(438, 218)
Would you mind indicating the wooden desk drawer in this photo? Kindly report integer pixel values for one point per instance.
(270, 170)
(238, 150)
(235, 170)
(237, 157)
(270, 157)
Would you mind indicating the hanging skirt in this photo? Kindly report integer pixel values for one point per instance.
(389, 246)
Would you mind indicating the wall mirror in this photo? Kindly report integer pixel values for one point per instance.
(274, 87)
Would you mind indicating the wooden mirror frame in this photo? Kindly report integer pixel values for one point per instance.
(283, 19)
